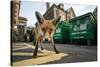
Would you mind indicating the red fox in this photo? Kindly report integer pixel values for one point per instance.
(44, 32)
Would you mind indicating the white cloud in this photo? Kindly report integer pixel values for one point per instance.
(80, 9)
(84, 9)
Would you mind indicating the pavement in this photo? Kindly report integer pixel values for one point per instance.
(22, 54)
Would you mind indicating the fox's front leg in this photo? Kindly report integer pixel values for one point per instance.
(41, 47)
(52, 42)
(36, 49)
(41, 43)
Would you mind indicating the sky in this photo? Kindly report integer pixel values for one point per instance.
(28, 8)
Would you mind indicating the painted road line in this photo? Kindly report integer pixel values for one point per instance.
(22, 54)
(30, 54)
(20, 48)
(40, 60)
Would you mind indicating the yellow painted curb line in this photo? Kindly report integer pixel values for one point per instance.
(40, 60)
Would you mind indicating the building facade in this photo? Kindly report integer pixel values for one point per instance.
(22, 27)
(70, 14)
(58, 10)
(15, 9)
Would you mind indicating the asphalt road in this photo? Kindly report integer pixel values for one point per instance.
(76, 53)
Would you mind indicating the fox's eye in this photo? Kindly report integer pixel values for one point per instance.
(51, 29)
(43, 29)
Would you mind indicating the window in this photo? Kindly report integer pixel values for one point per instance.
(63, 17)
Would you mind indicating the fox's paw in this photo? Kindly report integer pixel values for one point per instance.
(41, 48)
(57, 52)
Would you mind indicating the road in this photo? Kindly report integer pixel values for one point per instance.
(22, 54)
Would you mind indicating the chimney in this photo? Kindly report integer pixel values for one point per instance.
(47, 5)
(61, 5)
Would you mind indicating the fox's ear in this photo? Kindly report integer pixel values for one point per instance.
(56, 20)
(39, 17)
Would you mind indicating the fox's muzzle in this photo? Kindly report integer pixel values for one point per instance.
(46, 40)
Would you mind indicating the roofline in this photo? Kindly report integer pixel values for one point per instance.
(78, 17)
(49, 9)
(52, 7)
(71, 9)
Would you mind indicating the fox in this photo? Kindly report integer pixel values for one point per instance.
(44, 32)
